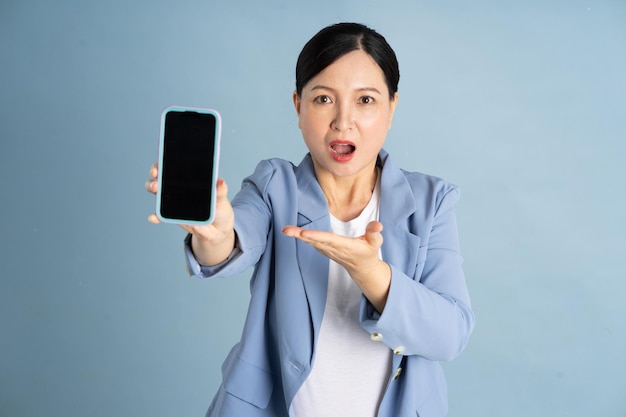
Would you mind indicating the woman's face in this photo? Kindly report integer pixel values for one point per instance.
(344, 114)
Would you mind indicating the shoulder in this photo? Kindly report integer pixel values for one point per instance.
(268, 167)
(433, 188)
(281, 172)
(269, 170)
(426, 190)
(432, 191)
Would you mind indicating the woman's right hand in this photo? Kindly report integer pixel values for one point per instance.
(211, 243)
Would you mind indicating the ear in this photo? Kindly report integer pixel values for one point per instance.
(392, 108)
(296, 104)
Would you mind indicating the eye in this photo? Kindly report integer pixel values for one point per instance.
(323, 99)
(366, 100)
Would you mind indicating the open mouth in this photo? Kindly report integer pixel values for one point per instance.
(342, 149)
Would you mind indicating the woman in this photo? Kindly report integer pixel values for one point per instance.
(339, 323)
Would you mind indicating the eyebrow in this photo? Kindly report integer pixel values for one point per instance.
(323, 87)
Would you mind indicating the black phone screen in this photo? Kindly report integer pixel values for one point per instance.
(187, 165)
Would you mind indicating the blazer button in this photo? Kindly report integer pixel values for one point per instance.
(397, 373)
(376, 337)
(399, 350)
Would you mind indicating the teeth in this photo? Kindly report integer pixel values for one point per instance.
(341, 149)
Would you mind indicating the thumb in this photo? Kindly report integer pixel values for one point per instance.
(221, 189)
(373, 235)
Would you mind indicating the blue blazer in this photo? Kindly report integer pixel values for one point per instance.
(427, 317)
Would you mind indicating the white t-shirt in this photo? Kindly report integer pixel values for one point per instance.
(350, 371)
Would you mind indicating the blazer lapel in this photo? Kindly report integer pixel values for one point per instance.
(312, 215)
(397, 204)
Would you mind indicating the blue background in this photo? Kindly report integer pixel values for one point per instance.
(522, 104)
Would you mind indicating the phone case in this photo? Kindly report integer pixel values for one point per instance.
(216, 158)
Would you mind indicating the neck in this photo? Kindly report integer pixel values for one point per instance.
(348, 196)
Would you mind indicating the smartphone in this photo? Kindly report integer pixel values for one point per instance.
(188, 165)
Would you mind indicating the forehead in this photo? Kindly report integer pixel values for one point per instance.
(356, 69)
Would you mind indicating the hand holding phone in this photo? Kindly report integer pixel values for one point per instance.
(188, 165)
(211, 243)
(188, 161)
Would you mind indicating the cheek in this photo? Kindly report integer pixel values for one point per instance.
(376, 122)
(310, 123)
(311, 133)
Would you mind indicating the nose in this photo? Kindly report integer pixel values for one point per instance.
(343, 119)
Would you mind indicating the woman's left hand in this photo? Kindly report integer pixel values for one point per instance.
(358, 255)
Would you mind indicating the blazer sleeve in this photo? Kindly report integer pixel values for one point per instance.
(252, 222)
(428, 315)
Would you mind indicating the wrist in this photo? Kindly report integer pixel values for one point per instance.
(210, 252)
(375, 283)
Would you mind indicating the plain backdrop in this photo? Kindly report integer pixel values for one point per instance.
(520, 103)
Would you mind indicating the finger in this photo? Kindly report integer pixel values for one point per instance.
(374, 227)
(186, 228)
(320, 237)
(154, 170)
(373, 234)
(221, 189)
(291, 231)
(312, 237)
(153, 219)
(151, 186)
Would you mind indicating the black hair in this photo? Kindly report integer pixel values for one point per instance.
(335, 41)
